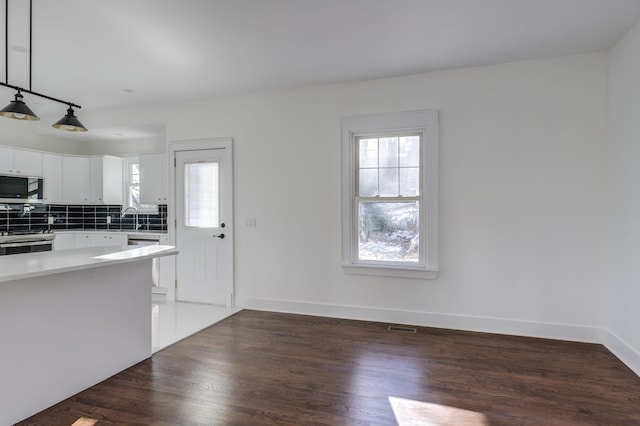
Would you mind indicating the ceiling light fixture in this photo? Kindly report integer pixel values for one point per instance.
(17, 109)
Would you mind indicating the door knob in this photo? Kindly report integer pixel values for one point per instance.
(221, 236)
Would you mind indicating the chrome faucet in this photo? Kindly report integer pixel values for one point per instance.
(124, 212)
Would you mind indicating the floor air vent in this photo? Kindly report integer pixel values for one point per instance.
(401, 329)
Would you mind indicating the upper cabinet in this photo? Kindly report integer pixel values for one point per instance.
(20, 162)
(76, 179)
(68, 178)
(52, 177)
(106, 180)
(6, 160)
(153, 178)
(90, 180)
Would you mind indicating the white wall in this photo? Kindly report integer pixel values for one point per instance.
(521, 184)
(623, 274)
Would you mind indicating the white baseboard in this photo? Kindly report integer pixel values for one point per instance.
(427, 319)
(613, 343)
(622, 350)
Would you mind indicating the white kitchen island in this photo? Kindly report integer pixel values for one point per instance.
(70, 319)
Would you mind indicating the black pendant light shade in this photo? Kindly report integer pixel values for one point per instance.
(18, 109)
(70, 123)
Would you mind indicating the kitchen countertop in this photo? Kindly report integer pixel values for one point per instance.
(28, 265)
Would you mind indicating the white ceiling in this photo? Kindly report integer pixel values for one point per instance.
(90, 51)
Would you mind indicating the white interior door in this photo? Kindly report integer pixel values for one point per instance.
(204, 229)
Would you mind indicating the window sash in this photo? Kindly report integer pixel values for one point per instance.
(356, 232)
(358, 138)
(357, 199)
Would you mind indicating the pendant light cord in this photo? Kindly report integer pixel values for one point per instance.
(30, 38)
(17, 109)
(6, 57)
(6, 41)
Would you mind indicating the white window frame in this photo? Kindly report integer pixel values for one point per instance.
(424, 123)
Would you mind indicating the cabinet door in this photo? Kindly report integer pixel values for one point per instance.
(151, 178)
(6, 160)
(96, 181)
(106, 180)
(166, 169)
(27, 163)
(52, 177)
(113, 239)
(64, 241)
(83, 239)
(167, 268)
(112, 185)
(98, 239)
(75, 179)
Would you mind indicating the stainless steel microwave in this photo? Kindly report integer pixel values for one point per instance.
(20, 189)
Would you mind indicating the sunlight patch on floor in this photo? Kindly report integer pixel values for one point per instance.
(84, 421)
(412, 413)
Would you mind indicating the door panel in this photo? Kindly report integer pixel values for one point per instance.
(203, 213)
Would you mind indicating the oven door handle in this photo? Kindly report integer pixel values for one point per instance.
(26, 244)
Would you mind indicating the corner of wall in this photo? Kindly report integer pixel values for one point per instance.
(622, 351)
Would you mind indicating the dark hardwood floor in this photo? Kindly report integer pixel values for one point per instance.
(260, 368)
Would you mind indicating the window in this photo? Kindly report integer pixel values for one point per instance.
(201, 200)
(132, 182)
(390, 194)
(132, 188)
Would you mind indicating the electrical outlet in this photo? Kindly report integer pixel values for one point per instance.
(108, 220)
(50, 220)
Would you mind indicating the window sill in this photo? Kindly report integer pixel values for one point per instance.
(390, 271)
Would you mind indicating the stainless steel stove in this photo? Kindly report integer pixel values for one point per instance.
(25, 241)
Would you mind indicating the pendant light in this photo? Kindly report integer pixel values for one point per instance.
(70, 123)
(17, 109)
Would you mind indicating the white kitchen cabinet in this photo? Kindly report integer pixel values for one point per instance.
(153, 178)
(64, 241)
(6, 160)
(167, 268)
(27, 163)
(83, 239)
(110, 239)
(20, 162)
(106, 179)
(96, 239)
(76, 178)
(52, 177)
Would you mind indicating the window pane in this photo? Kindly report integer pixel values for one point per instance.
(135, 173)
(388, 152)
(410, 182)
(201, 194)
(368, 182)
(389, 182)
(368, 153)
(388, 231)
(410, 151)
(134, 195)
